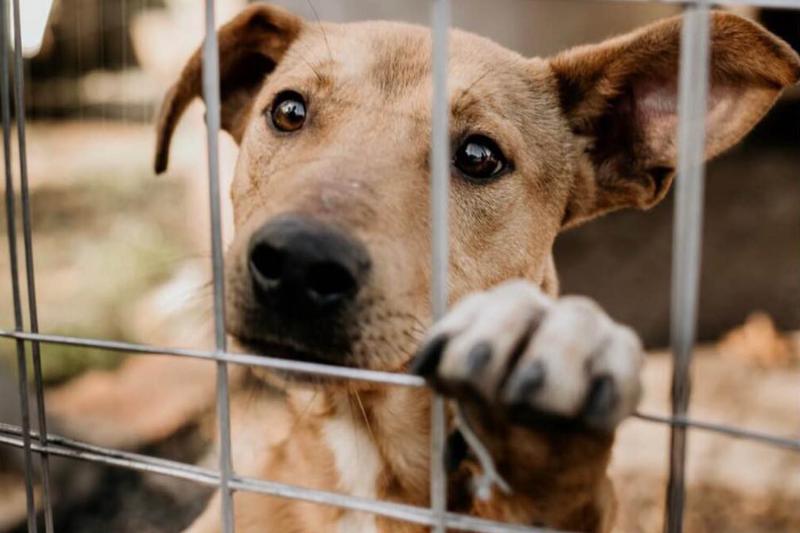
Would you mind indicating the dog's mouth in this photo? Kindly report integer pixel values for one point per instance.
(283, 349)
(289, 351)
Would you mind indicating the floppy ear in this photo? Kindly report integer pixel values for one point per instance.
(249, 48)
(621, 97)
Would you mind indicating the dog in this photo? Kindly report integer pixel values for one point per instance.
(330, 260)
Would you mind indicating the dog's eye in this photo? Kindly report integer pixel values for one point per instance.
(480, 158)
(288, 111)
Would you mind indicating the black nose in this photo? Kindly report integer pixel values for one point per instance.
(298, 264)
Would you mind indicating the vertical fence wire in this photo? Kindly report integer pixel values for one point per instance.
(689, 187)
(440, 190)
(30, 275)
(211, 90)
(11, 229)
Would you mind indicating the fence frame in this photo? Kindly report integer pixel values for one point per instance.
(693, 88)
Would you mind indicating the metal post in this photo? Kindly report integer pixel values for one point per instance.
(27, 233)
(692, 98)
(440, 190)
(211, 89)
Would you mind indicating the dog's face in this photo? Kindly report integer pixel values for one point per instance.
(334, 172)
(331, 194)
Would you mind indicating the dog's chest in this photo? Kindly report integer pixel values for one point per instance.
(358, 465)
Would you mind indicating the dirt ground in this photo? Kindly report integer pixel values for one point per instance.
(104, 230)
(735, 486)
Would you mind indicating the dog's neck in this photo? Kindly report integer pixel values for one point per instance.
(377, 439)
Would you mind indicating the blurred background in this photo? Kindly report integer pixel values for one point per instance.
(122, 254)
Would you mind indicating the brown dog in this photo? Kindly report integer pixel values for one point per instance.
(330, 260)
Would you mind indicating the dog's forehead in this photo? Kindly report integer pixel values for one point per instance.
(395, 58)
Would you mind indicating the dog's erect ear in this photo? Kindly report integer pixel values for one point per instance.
(249, 48)
(621, 96)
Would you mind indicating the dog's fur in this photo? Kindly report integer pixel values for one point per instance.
(589, 131)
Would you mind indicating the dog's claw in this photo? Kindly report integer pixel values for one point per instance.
(478, 357)
(523, 385)
(427, 359)
(600, 402)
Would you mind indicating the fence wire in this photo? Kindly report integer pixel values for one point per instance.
(693, 88)
(440, 252)
(11, 222)
(211, 95)
(30, 278)
(687, 226)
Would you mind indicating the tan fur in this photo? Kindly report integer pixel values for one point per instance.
(588, 131)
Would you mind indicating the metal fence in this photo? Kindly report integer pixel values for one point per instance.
(693, 88)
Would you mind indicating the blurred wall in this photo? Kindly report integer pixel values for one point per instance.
(531, 27)
(751, 243)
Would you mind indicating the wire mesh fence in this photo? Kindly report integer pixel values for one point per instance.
(693, 88)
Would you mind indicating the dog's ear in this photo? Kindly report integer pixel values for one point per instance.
(250, 46)
(621, 97)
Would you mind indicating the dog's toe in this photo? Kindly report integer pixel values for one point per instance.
(580, 368)
(485, 335)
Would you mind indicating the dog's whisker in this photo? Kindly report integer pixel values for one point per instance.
(302, 415)
(321, 28)
(468, 90)
(364, 415)
(308, 63)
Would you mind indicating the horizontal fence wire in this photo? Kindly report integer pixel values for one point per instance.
(62, 447)
(370, 376)
(11, 435)
(285, 365)
(787, 443)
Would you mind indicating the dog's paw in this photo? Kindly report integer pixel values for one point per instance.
(535, 360)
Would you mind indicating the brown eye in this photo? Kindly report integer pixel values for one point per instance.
(479, 158)
(288, 111)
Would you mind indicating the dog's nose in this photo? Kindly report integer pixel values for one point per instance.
(301, 264)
